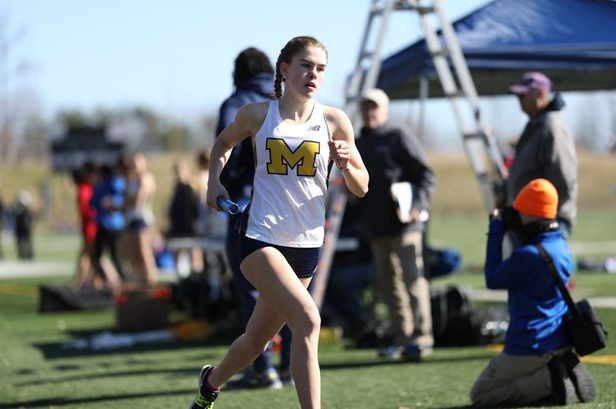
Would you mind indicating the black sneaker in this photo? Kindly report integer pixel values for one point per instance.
(414, 353)
(584, 385)
(286, 377)
(206, 397)
(562, 385)
(392, 351)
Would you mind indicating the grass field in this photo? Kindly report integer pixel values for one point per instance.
(37, 372)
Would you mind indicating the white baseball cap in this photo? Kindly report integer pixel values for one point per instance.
(376, 95)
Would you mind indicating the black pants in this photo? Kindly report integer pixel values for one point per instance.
(25, 250)
(109, 239)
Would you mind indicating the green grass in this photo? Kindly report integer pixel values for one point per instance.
(467, 233)
(48, 247)
(585, 284)
(37, 372)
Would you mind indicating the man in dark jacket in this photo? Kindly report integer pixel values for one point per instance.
(253, 77)
(546, 148)
(392, 154)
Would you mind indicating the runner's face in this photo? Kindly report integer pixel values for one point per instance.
(305, 72)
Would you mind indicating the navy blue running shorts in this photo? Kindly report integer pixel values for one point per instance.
(302, 260)
(137, 224)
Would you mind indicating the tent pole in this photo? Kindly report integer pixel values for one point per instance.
(482, 152)
(423, 97)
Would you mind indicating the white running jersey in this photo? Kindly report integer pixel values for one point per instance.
(290, 183)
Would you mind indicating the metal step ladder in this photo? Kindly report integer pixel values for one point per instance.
(480, 147)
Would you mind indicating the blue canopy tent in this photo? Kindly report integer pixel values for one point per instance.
(572, 41)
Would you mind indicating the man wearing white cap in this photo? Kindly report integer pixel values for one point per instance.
(392, 154)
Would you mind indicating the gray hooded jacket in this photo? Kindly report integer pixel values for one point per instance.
(546, 149)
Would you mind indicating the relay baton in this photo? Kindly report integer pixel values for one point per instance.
(227, 205)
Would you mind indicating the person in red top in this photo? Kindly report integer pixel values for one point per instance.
(84, 178)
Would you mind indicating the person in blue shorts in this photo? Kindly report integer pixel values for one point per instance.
(295, 140)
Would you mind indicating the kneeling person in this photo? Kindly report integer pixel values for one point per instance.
(537, 363)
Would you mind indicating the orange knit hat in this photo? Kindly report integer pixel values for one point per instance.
(538, 198)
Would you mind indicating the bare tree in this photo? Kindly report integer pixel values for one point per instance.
(9, 70)
(29, 138)
(35, 143)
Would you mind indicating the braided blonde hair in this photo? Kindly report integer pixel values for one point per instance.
(294, 46)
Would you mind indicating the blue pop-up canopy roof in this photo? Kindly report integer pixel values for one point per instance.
(572, 41)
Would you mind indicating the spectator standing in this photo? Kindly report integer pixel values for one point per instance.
(546, 148)
(183, 213)
(108, 200)
(537, 364)
(140, 220)
(392, 154)
(24, 223)
(84, 178)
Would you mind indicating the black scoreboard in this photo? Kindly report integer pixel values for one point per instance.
(81, 145)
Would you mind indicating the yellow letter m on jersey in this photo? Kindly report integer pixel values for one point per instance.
(281, 157)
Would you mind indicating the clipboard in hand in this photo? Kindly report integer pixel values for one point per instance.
(402, 193)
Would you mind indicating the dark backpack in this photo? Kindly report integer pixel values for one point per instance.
(455, 322)
(450, 305)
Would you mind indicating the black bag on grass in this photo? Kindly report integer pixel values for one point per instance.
(455, 322)
(451, 307)
(55, 298)
(585, 329)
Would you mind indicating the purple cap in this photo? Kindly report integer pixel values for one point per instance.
(530, 81)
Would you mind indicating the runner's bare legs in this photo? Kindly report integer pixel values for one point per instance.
(282, 298)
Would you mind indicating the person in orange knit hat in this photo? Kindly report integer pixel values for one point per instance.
(537, 364)
(538, 199)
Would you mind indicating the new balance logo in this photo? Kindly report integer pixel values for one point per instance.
(315, 128)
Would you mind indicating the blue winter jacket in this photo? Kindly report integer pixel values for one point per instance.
(238, 174)
(536, 306)
(113, 188)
